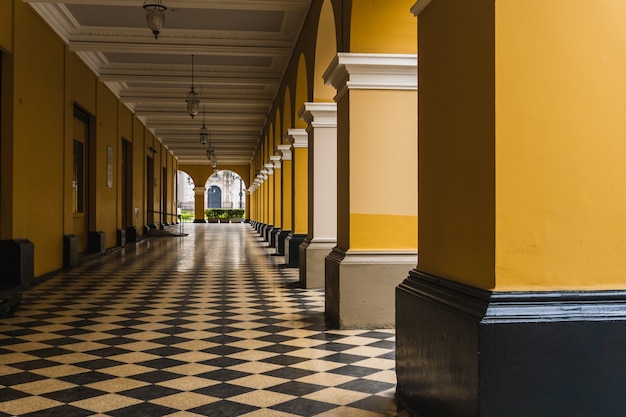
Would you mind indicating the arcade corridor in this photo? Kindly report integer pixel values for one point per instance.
(208, 324)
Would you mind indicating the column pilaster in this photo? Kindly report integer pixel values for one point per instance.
(322, 223)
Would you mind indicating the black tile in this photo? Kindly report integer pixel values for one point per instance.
(223, 362)
(223, 375)
(149, 392)
(34, 364)
(156, 376)
(284, 360)
(383, 344)
(353, 370)
(86, 378)
(8, 394)
(223, 390)
(303, 407)
(61, 411)
(166, 351)
(223, 350)
(344, 358)
(223, 339)
(161, 363)
(276, 348)
(142, 410)
(100, 363)
(296, 388)
(289, 373)
(73, 394)
(223, 409)
(169, 340)
(20, 378)
(366, 386)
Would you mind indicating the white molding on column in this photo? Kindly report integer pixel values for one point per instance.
(298, 137)
(420, 6)
(199, 190)
(318, 114)
(358, 71)
(270, 169)
(276, 161)
(285, 151)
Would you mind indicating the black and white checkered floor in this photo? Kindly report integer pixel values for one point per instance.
(204, 325)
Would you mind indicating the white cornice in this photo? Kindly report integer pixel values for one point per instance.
(285, 151)
(319, 114)
(298, 137)
(355, 71)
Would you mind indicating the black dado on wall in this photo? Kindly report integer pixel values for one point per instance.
(466, 352)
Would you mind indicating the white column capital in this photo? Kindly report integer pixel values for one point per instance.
(276, 161)
(285, 151)
(199, 190)
(319, 114)
(269, 168)
(298, 137)
(360, 71)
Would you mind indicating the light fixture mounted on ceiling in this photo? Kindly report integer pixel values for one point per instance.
(193, 103)
(155, 15)
(204, 132)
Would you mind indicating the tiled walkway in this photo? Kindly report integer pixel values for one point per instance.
(204, 325)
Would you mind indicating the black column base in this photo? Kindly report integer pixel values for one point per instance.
(131, 234)
(267, 233)
(96, 242)
(121, 237)
(280, 241)
(292, 249)
(467, 352)
(199, 221)
(275, 231)
(70, 251)
(18, 264)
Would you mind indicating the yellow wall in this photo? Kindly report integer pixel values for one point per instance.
(139, 173)
(375, 22)
(38, 138)
(106, 136)
(6, 26)
(383, 169)
(561, 107)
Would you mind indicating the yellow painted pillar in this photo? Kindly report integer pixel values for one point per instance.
(199, 194)
(276, 202)
(376, 188)
(287, 196)
(517, 302)
(299, 210)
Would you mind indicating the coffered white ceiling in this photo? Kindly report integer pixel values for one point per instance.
(241, 50)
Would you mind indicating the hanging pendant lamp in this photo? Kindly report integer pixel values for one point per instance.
(193, 103)
(155, 15)
(204, 132)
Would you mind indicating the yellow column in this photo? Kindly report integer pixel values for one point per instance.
(199, 194)
(299, 210)
(376, 186)
(287, 196)
(522, 210)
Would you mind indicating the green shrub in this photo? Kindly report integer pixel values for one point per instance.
(215, 213)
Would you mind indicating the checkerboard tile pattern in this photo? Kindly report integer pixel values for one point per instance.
(204, 325)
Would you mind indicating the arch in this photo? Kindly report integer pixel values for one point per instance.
(231, 187)
(383, 27)
(325, 51)
(277, 132)
(302, 90)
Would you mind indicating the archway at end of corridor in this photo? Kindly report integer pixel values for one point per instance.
(225, 196)
(185, 192)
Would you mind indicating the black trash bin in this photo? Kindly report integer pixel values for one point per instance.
(16, 272)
